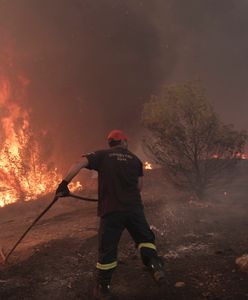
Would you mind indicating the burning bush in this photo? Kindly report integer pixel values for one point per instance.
(24, 172)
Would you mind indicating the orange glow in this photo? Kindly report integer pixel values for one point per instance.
(243, 156)
(24, 174)
(148, 166)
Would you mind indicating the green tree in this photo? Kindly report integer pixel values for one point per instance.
(187, 137)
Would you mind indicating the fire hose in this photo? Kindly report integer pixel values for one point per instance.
(55, 199)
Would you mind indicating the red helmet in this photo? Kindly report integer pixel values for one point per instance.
(117, 135)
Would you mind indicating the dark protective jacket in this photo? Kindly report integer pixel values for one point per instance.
(118, 172)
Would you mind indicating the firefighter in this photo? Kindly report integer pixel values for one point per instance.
(120, 207)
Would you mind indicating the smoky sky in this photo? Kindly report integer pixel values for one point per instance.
(213, 48)
(93, 63)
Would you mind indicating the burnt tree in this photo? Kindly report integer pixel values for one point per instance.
(188, 139)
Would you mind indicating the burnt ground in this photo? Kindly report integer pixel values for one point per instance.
(198, 240)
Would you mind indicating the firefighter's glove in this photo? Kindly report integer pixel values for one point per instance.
(62, 190)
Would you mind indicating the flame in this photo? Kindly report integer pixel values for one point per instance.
(75, 186)
(243, 156)
(148, 166)
(24, 174)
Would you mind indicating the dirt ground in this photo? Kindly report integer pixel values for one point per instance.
(199, 243)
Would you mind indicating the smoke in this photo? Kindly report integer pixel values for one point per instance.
(213, 48)
(93, 63)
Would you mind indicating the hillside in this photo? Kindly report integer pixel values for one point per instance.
(199, 242)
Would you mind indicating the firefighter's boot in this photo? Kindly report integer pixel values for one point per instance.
(102, 292)
(156, 267)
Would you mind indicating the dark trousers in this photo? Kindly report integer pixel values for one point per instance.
(111, 228)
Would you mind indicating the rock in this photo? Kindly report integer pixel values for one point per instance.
(180, 284)
(242, 262)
